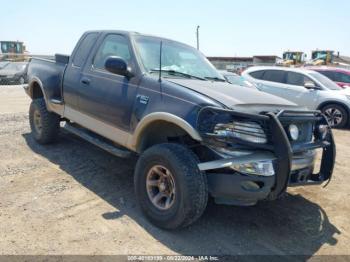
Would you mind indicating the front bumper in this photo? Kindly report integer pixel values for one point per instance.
(293, 163)
(231, 187)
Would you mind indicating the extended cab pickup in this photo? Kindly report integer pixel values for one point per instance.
(194, 134)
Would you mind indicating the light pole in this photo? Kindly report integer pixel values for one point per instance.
(197, 33)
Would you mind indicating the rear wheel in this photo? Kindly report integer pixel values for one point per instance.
(171, 190)
(44, 124)
(336, 115)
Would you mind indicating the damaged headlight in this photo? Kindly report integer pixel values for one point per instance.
(261, 168)
(247, 131)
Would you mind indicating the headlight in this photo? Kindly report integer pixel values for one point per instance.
(294, 132)
(261, 168)
(247, 131)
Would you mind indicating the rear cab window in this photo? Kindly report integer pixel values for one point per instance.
(83, 49)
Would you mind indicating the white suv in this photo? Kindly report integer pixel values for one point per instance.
(305, 88)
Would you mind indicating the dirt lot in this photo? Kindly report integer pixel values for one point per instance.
(73, 198)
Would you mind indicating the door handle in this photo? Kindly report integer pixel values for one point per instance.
(85, 81)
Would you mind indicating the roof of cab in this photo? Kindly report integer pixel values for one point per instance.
(132, 33)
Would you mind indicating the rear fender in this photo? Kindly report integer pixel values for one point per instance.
(32, 93)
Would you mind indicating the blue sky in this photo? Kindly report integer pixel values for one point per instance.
(227, 28)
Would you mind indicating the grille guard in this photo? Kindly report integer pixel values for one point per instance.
(278, 143)
(327, 144)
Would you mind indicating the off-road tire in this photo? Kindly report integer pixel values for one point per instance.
(50, 122)
(191, 193)
(343, 111)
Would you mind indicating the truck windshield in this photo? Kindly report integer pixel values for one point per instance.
(178, 60)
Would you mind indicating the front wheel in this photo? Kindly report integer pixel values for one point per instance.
(44, 124)
(171, 190)
(336, 115)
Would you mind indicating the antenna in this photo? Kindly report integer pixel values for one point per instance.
(160, 61)
(197, 35)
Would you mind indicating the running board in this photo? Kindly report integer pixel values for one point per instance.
(97, 141)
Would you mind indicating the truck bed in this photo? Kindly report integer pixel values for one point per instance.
(50, 73)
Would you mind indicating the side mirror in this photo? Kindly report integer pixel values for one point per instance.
(310, 85)
(117, 65)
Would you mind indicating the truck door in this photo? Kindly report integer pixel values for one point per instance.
(72, 76)
(105, 96)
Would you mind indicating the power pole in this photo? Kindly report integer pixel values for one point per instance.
(197, 36)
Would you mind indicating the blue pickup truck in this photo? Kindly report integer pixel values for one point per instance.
(194, 134)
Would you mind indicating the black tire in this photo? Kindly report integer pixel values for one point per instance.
(328, 109)
(191, 189)
(50, 122)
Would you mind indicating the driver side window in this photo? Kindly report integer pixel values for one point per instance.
(297, 79)
(113, 45)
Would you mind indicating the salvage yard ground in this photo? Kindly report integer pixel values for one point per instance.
(73, 198)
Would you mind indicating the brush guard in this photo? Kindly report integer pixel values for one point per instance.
(279, 143)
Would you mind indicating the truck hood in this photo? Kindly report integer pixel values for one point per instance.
(234, 96)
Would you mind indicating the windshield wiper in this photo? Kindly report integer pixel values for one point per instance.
(215, 78)
(173, 72)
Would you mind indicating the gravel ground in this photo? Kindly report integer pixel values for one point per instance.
(73, 198)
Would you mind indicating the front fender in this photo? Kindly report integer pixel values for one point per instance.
(161, 116)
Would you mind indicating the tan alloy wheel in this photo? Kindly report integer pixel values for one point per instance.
(160, 187)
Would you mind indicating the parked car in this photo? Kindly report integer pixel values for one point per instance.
(14, 73)
(306, 88)
(3, 64)
(339, 75)
(195, 134)
(236, 79)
